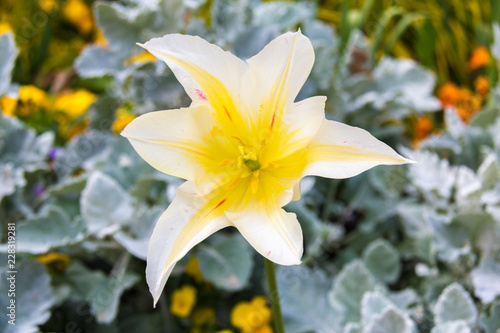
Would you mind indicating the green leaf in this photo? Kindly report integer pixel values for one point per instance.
(490, 320)
(33, 298)
(7, 60)
(105, 299)
(141, 226)
(349, 287)
(390, 321)
(95, 61)
(457, 326)
(226, 261)
(486, 281)
(53, 228)
(373, 305)
(453, 304)
(11, 178)
(82, 152)
(303, 296)
(382, 259)
(122, 25)
(104, 205)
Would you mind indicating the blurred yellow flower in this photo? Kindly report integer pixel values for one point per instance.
(48, 5)
(480, 58)
(8, 105)
(122, 120)
(67, 107)
(140, 58)
(482, 85)
(5, 27)
(225, 331)
(252, 317)
(203, 317)
(183, 301)
(99, 38)
(55, 261)
(74, 104)
(264, 329)
(193, 269)
(78, 13)
(32, 99)
(448, 94)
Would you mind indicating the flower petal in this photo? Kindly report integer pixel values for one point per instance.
(342, 151)
(306, 117)
(276, 75)
(187, 221)
(171, 141)
(274, 233)
(209, 74)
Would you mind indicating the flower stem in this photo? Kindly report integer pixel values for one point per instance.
(275, 297)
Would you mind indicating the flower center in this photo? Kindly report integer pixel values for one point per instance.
(248, 157)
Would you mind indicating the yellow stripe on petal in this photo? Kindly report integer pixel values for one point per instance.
(188, 220)
(342, 151)
(215, 86)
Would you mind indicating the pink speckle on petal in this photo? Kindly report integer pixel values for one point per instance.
(268, 253)
(345, 141)
(201, 95)
(171, 228)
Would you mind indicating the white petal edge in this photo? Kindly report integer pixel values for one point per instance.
(220, 64)
(170, 141)
(274, 233)
(173, 228)
(342, 151)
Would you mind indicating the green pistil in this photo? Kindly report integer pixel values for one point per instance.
(252, 164)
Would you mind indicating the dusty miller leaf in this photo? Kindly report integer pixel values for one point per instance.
(455, 303)
(227, 262)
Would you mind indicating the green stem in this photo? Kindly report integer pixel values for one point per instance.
(275, 296)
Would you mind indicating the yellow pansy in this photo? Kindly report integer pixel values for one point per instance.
(193, 269)
(183, 301)
(5, 27)
(203, 317)
(32, 99)
(243, 146)
(55, 261)
(252, 317)
(48, 5)
(121, 121)
(99, 38)
(67, 107)
(8, 105)
(78, 13)
(74, 104)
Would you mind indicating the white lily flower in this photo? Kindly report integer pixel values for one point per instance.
(243, 145)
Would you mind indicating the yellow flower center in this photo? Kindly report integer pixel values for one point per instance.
(248, 158)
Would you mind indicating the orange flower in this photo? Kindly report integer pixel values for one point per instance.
(448, 94)
(480, 58)
(482, 85)
(423, 127)
(468, 107)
